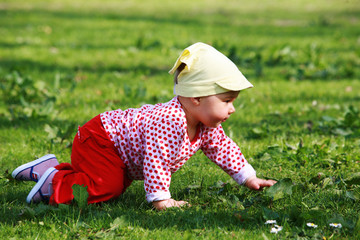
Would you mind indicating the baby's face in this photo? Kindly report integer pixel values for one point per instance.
(216, 109)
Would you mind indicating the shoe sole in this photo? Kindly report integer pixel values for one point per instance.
(39, 184)
(31, 164)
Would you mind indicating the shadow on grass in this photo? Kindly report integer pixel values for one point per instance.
(131, 207)
(171, 16)
(69, 15)
(298, 123)
(33, 123)
(10, 65)
(130, 211)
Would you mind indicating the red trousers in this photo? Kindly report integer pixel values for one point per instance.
(95, 163)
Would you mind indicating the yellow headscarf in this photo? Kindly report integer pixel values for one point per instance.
(207, 72)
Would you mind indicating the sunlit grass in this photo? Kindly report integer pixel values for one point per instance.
(294, 125)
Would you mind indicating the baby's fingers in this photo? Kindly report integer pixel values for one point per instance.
(268, 183)
(183, 203)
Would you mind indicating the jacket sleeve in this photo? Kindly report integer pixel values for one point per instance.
(225, 153)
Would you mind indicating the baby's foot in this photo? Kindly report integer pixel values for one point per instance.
(33, 171)
(42, 189)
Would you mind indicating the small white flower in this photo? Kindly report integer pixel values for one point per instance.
(276, 229)
(270, 222)
(312, 225)
(335, 225)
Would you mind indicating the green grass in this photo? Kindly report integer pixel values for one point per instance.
(71, 60)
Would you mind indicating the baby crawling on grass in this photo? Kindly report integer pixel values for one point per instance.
(152, 142)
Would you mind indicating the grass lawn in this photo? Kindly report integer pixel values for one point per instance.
(63, 62)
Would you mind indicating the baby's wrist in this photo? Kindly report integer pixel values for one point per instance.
(160, 204)
(248, 179)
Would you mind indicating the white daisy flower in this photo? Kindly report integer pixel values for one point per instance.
(335, 225)
(270, 222)
(276, 229)
(312, 225)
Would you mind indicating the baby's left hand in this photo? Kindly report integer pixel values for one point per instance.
(255, 183)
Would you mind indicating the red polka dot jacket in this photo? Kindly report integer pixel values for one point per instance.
(153, 143)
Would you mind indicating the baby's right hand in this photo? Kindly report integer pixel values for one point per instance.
(167, 203)
(255, 183)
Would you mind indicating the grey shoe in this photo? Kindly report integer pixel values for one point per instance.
(32, 171)
(42, 189)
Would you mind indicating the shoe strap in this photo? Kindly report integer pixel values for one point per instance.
(34, 176)
(46, 197)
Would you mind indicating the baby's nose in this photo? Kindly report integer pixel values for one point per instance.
(232, 109)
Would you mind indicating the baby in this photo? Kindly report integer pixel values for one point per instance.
(152, 142)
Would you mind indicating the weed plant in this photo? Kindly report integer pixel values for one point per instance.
(64, 62)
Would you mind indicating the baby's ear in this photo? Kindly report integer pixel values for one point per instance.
(195, 100)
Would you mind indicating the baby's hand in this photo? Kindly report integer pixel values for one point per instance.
(255, 183)
(167, 203)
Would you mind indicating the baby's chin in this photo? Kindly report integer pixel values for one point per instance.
(213, 125)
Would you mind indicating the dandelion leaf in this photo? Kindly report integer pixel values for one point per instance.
(269, 214)
(80, 195)
(281, 189)
(52, 131)
(119, 222)
(318, 178)
(342, 132)
(354, 179)
(353, 195)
